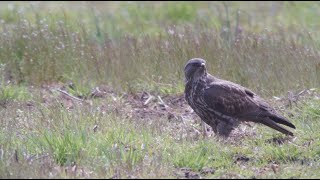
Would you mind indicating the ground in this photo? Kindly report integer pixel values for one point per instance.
(60, 135)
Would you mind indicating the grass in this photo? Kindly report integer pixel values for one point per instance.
(134, 47)
(42, 48)
(14, 92)
(47, 138)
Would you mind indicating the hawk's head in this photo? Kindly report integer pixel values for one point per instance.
(195, 69)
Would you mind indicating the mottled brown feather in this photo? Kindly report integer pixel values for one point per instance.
(223, 104)
(239, 102)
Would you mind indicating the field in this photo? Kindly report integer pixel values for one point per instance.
(95, 89)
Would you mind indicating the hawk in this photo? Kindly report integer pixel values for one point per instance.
(223, 105)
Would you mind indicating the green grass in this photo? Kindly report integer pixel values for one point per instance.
(55, 137)
(134, 47)
(14, 92)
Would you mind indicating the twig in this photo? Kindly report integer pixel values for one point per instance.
(162, 102)
(43, 156)
(301, 92)
(237, 29)
(290, 98)
(16, 156)
(195, 129)
(148, 100)
(65, 93)
(1, 154)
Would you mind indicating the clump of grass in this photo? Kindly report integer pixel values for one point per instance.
(65, 148)
(200, 155)
(13, 92)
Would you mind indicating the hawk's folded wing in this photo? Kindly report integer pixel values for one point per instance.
(229, 99)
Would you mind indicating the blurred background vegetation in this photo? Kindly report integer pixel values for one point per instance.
(271, 47)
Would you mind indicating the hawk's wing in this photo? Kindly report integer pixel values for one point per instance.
(230, 99)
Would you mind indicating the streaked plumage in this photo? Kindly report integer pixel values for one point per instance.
(223, 104)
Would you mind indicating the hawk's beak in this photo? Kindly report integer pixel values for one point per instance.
(203, 64)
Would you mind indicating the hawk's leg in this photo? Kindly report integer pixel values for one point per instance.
(225, 128)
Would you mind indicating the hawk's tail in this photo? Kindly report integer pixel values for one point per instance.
(273, 124)
(281, 120)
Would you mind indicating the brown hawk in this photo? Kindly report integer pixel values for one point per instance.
(224, 105)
